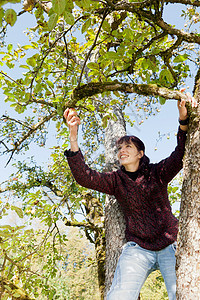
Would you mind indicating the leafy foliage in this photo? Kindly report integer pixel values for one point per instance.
(45, 262)
(76, 51)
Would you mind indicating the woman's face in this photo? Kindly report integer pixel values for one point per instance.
(129, 156)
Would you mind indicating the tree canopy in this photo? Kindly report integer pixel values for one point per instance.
(78, 53)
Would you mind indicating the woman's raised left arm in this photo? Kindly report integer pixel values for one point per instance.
(183, 114)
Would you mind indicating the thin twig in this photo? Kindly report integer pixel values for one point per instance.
(16, 121)
(48, 51)
(28, 134)
(92, 47)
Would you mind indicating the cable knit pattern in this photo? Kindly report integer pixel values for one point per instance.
(149, 219)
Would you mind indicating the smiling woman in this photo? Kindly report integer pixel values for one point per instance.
(141, 190)
(130, 152)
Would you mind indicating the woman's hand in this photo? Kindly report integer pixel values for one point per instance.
(183, 114)
(73, 121)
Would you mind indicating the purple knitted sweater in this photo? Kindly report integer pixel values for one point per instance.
(145, 204)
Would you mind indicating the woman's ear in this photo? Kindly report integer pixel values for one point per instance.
(141, 153)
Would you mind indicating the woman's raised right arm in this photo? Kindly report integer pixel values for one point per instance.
(83, 174)
(72, 119)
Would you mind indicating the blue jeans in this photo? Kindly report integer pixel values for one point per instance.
(134, 266)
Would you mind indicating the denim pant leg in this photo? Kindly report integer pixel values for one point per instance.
(167, 264)
(134, 266)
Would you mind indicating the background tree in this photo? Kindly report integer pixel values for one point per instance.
(78, 50)
(54, 265)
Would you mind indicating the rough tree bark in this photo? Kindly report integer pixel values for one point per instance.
(114, 219)
(188, 251)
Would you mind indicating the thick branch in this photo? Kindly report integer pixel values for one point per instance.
(169, 52)
(79, 224)
(94, 88)
(188, 37)
(185, 2)
(93, 208)
(29, 5)
(131, 7)
(14, 289)
(2, 190)
(93, 222)
(52, 187)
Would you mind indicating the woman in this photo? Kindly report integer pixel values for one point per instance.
(141, 190)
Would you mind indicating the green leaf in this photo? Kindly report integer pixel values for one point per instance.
(83, 3)
(24, 66)
(3, 2)
(38, 88)
(74, 80)
(52, 21)
(17, 210)
(166, 76)
(26, 47)
(105, 121)
(69, 18)
(16, 295)
(174, 189)
(86, 25)
(106, 26)
(69, 5)
(180, 58)
(93, 66)
(6, 227)
(10, 16)
(111, 55)
(169, 76)
(10, 47)
(162, 100)
(128, 33)
(144, 64)
(5, 234)
(31, 61)
(50, 83)
(58, 6)
(1, 15)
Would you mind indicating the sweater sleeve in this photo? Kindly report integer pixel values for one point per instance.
(86, 177)
(168, 168)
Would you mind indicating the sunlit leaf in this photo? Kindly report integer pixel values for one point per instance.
(3, 2)
(69, 5)
(10, 16)
(1, 15)
(58, 6)
(111, 55)
(93, 66)
(162, 100)
(69, 18)
(18, 210)
(24, 66)
(52, 21)
(6, 227)
(86, 25)
(180, 58)
(31, 61)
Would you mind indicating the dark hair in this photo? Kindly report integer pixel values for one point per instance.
(144, 161)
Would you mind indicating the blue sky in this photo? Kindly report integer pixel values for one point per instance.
(166, 121)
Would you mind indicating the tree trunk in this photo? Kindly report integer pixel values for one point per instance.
(114, 219)
(100, 257)
(188, 250)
